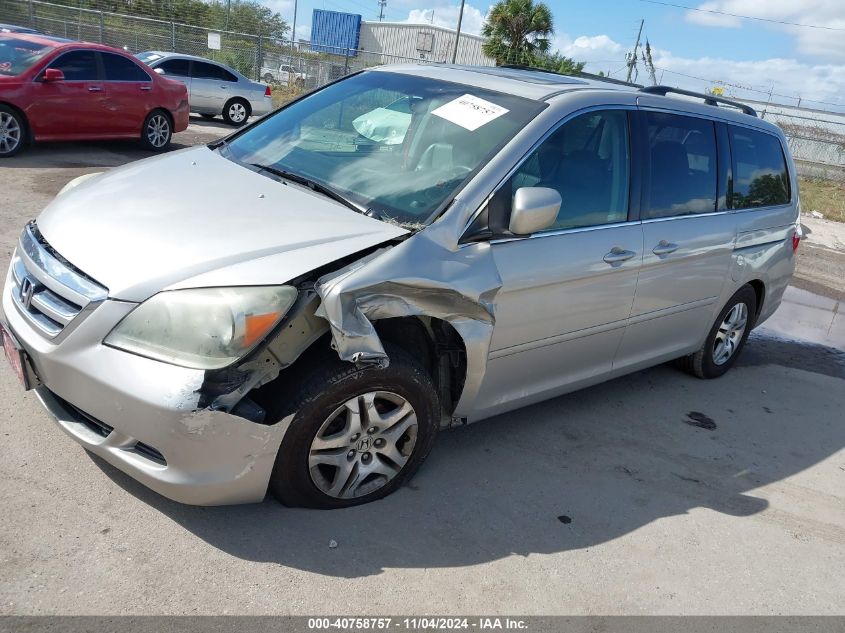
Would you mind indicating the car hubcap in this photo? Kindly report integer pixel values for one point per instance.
(363, 445)
(730, 333)
(158, 131)
(237, 112)
(10, 133)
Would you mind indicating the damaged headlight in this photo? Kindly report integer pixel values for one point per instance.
(202, 328)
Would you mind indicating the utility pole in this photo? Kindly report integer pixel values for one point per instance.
(632, 58)
(381, 5)
(458, 32)
(228, 10)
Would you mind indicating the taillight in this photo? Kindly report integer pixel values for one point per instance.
(796, 240)
(267, 92)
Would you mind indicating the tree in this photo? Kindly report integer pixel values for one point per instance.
(558, 63)
(517, 32)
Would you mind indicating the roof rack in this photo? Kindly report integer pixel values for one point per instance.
(708, 99)
(609, 80)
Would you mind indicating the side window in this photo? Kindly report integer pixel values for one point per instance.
(226, 75)
(203, 70)
(683, 166)
(120, 68)
(587, 161)
(177, 67)
(78, 66)
(759, 169)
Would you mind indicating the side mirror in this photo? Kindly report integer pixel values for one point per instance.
(159, 70)
(534, 209)
(53, 74)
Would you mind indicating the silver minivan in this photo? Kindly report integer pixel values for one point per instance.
(301, 306)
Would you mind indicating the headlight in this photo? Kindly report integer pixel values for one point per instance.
(202, 328)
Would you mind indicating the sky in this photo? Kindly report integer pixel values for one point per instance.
(692, 49)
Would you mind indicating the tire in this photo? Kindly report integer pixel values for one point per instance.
(157, 131)
(12, 131)
(268, 78)
(209, 116)
(305, 476)
(712, 359)
(236, 112)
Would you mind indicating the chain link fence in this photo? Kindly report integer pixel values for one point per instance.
(291, 64)
(816, 137)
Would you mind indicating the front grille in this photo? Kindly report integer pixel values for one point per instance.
(47, 289)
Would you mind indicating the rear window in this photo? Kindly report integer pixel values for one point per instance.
(18, 54)
(760, 177)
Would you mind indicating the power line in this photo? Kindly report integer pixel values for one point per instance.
(745, 17)
(749, 89)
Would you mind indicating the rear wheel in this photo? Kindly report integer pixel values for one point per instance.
(12, 132)
(236, 112)
(268, 78)
(726, 338)
(357, 434)
(157, 131)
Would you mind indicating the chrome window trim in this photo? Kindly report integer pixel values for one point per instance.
(532, 149)
(556, 232)
(687, 215)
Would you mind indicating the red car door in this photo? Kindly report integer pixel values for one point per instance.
(72, 107)
(130, 90)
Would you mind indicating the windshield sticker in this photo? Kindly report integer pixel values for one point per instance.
(469, 112)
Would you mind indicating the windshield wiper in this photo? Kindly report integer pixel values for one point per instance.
(313, 185)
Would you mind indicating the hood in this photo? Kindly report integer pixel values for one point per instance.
(195, 219)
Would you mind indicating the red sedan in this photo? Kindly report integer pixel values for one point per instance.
(56, 90)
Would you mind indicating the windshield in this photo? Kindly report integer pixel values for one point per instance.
(17, 54)
(396, 145)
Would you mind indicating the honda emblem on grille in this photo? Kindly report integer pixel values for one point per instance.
(27, 290)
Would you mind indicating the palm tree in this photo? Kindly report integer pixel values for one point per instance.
(516, 31)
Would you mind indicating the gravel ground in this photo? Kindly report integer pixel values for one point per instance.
(655, 493)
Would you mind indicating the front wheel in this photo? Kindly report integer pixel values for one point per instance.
(157, 131)
(236, 112)
(357, 434)
(726, 338)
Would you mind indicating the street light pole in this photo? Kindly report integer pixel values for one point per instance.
(458, 32)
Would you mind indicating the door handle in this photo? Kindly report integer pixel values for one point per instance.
(664, 248)
(618, 255)
(146, 88)
(95, 88)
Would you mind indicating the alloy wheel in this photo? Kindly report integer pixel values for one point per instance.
(158, 130)
(730, 333)
(237, 112)
(10, 133)
(363, 445)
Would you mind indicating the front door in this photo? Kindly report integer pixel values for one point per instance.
(566, 292)
(73, 107)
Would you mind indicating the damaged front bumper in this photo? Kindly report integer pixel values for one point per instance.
(143, 416)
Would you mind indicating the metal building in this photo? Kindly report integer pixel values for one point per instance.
(424, 42)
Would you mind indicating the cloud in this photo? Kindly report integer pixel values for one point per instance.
(446, 15)
(822, 43)
(744, 79)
